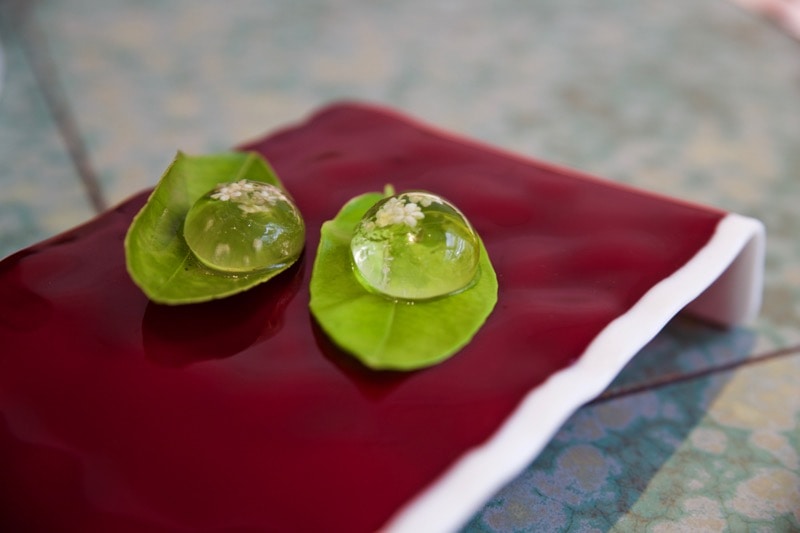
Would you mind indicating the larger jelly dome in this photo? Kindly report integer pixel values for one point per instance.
(415, 246)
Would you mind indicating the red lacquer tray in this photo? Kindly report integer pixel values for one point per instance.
(238, 415)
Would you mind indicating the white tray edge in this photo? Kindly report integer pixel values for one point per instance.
(722, 282)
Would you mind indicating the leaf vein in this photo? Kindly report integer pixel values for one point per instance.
(381, 345)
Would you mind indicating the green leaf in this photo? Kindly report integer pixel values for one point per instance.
(158, 259)
(384, 333)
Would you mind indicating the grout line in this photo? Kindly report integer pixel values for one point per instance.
(680, 378)
(44, 69)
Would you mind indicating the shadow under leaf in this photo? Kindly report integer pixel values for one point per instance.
(177, 336)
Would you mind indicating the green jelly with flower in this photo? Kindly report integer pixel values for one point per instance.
(244, 226)
(415, 246)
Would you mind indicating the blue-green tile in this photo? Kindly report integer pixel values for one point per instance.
(42, 194)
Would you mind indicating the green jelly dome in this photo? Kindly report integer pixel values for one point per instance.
(244, 226)
(415, 246)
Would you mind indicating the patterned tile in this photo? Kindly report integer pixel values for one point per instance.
(717, 453)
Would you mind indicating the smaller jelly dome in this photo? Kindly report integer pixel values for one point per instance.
(244, 226)
(415, 246)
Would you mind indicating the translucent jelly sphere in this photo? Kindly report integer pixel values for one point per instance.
(415, 246)
(244, 226)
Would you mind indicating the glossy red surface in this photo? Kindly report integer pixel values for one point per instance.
(238, 415)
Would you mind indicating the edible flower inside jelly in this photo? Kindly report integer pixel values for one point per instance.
(244, 226)
(415, 246)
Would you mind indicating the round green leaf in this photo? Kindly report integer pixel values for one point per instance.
(158, 259)
(385, 333)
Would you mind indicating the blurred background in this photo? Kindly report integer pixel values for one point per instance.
(698, 100)
(695, 99)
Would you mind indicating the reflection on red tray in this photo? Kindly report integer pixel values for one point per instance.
(122, 415)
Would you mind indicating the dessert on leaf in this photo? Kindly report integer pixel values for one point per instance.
(247, 400)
